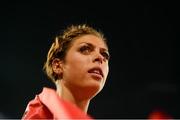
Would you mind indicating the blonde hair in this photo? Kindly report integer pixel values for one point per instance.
(62, 43)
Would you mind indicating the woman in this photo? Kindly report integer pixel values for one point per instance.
(77, 63)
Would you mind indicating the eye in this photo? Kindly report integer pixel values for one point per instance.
(85, 49)
(105, 55)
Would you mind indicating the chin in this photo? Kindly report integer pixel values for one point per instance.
(92, 90)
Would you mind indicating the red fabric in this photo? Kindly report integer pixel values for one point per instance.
(48, 105)
(159, 115)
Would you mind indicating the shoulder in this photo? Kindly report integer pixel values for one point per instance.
(48, 105)
(36, 110)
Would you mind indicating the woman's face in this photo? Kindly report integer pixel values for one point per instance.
(86, 65)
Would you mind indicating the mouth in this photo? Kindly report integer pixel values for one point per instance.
(96, 71)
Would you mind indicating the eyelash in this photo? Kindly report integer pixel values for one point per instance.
(105, 55)
(87, 50)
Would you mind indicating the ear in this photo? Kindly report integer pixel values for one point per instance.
(57, 66)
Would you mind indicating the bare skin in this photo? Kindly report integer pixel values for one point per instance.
(84, 71)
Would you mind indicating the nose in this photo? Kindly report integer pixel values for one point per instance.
(98, 58)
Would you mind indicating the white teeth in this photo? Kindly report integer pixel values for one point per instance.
(96, 71)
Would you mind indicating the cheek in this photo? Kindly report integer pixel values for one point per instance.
(77, 60)
(106, 69)
(76, 64)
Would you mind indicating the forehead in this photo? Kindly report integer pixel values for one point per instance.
(92, 39)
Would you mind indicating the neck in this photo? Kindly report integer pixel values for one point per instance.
(67, 95)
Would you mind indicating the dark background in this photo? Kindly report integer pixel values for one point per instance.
(143, 40)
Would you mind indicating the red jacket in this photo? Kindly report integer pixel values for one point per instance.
(48, 105)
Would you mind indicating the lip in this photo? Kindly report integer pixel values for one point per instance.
(97, 69)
